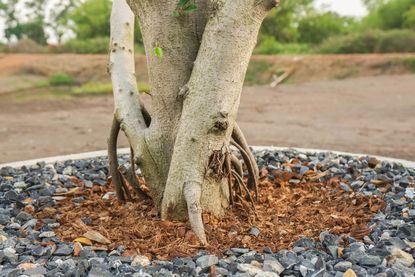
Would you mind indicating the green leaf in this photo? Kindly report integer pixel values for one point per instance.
(183, 3)
(190, 8)
(158, 52)
(175, 13)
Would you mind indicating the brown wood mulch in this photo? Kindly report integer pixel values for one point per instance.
(284, 213)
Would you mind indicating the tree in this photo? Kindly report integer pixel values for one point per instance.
(316, 28)
(32, 27)
(282, 23)
(89, 19)
(388, 15)
(58, 17)
(197, 53)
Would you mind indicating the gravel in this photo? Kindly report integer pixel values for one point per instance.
(388, 250)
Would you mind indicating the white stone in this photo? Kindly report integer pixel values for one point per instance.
(249, 269)
(273, 266)
(140, 260)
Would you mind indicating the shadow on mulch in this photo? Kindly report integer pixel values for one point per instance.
(284, 213)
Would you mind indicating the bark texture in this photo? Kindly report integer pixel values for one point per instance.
(196, 84)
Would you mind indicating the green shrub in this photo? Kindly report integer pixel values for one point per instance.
(97, 45)
(60, 79)
(371, 41)
(270, 46)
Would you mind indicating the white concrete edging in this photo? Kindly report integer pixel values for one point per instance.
(94, 154)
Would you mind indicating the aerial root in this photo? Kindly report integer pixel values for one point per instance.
(237, 165)
(240, 139)
(253, 176)
(241, 183)
(113, 161)
(120, 174)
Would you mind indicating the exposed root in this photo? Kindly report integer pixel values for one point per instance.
(118, 172)
(240, 139)
(229, 170)
(237, 165)
(192, 192)
(242, 184)
(113, 161)
(253, 177)
(129, 175)
(124, 171)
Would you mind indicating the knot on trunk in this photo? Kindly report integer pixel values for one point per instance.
(221, 123)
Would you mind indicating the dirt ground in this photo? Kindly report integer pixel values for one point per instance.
(373, 115)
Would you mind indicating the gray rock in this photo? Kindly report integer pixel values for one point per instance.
(4, 219)
(31, 223)
(40, 251)
(15, 226)
(108, 195)
(99, 271)
(240, 250)
(47, 234)
(303, 170)
(344, 186)
(254, 232)
(39, 270)
(63, 250)
(23, 216)
(20, 185)
(15, 272)
(207, 261)
(370, 260)
(266, 274)
(10, 254)
(410, 193)
(343, 266)
(287, 258)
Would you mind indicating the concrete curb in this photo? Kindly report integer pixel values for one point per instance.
(89, 155)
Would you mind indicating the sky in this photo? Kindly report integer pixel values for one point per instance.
(342, 7)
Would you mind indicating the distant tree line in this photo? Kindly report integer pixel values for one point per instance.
(295, 27)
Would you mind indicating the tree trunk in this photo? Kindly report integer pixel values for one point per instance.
(196, 84)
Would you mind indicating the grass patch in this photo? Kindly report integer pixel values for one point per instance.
(60, 79)
(93, 88)
(409, 63)
(104, 88)
(255, 71)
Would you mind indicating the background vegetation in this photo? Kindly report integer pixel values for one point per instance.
(296, 27)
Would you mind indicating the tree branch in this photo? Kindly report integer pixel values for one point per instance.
(121, 67)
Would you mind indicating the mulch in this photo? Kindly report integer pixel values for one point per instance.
(284, 213)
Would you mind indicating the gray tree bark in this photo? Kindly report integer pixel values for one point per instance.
(196, 85)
